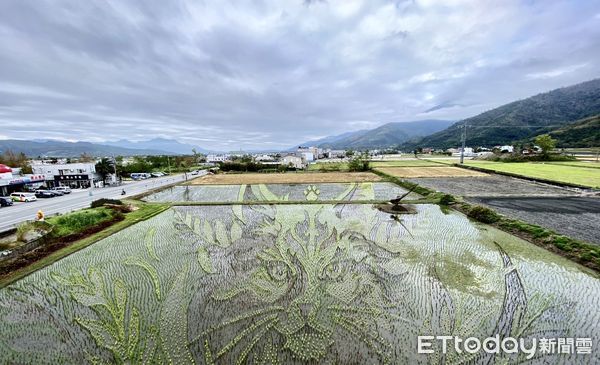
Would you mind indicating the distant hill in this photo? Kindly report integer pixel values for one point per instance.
(521, 119)
(331, 139)
(581, 133)
(53, 148)
(387, 135)
(162, 144)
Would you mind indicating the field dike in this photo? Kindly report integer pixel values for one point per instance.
(297, 283)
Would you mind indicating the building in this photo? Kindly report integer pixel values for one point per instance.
(307, 156)
(294, 161)
(468, 152)
(221, 157)
(505, 149)
(264, 158)
(335, 153)
(73, 175)
(309, 153)
(12, 180)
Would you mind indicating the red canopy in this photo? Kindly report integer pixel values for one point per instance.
(4, 169)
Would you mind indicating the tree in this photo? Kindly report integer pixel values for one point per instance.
(12, 159)
(359, 162)
(104, 167)
(546, 143)
(85, 157)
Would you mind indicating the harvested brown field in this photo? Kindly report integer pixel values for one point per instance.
(286, 178)
(411, 172)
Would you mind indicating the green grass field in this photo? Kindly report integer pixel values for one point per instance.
(549, 171)
(328, 166)
(592, 165)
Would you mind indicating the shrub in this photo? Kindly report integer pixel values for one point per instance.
(447, 199)
(78, 221)
(241, 166)
(103, 201)
(483, 214)
(359, 163)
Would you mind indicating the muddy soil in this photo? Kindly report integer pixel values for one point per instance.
(576, 217)
(493, 185)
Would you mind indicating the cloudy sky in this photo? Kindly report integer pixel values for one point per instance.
(270, 74)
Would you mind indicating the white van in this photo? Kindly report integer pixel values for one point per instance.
(23, 197)
(62, 189)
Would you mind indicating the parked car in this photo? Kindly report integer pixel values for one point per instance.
(23, 197)
(44, 194)
(5, 201)
(56, 192)
(140, 175)
(157, 174)
(62, 189)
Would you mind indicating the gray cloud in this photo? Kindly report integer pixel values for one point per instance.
(231, 75)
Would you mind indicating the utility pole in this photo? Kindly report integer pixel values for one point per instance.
(169, 163)
(464, 140)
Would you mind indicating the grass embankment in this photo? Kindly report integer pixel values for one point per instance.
(73, 224)
(583, 176)
(581, 252)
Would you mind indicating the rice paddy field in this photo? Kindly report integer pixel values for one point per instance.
(280, 192)
(429, 171)
(285, 178)
(589, 177)
(296, 284)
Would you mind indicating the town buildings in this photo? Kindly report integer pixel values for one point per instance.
(74, 175)
(12, 180)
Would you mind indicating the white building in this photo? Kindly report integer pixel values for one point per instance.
(264, 158)
(73, 175)
(310, 153)
(293, 161)
(308, 156)
(468, 152)
(222, 157)
(336, 153)
(506, 149)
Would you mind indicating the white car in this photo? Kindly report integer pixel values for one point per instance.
(62, 189)
(23, 197)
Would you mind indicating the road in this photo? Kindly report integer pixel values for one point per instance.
(10, 217)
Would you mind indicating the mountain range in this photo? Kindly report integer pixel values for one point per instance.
(581, 133)
(162, 144)
(520, 120)
(387, 135)
(569, 114)
(53, 148)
